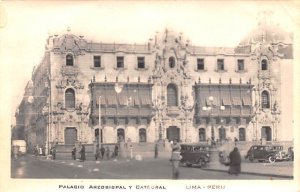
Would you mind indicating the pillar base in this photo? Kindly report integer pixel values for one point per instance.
(214, 157)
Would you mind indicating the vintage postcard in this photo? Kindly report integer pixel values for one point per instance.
(140, 96)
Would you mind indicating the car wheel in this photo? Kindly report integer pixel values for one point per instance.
(251, 158)
(271, 159)
(188, 164)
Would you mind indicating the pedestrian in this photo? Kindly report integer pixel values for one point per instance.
(235, 141)
(107, 151)
(102, 150)
(234, 162)
(97, 153)
(116, 151)
(82, 153)
(74, 153)
(156, 150)
(175, 158)
(53, 152)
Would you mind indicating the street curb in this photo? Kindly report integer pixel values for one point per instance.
(251, 173)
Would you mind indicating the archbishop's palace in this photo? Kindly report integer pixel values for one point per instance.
(168, 88)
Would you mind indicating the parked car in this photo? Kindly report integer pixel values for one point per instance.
(194, 154)
(290, 154)
(270, 153)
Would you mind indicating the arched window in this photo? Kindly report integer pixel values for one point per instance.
(242, 134)
(172, 95)
(202, 136)
(142, 135)
(171, 62)
(120, 135)
(265, 100)
(69, 60)
(264, 64)
(70, 98)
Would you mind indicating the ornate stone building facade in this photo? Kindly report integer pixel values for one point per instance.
(166, 89)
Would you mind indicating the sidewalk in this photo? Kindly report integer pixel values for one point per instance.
(277, 169)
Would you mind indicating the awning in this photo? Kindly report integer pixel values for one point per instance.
(112, 100)
(247, 101)
(236, 101)
(102, 100)
(123, 100)
(226, 101)
(146, 101)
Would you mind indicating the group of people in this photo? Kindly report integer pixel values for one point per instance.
(100, 152)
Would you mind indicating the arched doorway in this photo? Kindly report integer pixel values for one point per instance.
(222, 134)
(120, 135)
(266, 133)
(173, 133)
(202, 135)
(242, 134)
(142, 135)
(97, 139)
(70, 135)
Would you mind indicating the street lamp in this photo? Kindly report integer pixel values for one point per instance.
(209, 108)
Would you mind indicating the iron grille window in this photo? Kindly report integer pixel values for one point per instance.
(241, 65)
(120, 135)
(69, 60)
(220, 63)
(264, 64)
(172, 95)
(70, 98)
(172, 62)
(142, 135)
(120, 62)
(141, 62)
(265, 100)
(202, 136)
(97, 61)
(200, 64)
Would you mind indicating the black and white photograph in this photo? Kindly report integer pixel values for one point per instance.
(149, 96)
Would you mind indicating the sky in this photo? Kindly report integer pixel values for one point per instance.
(25, 26)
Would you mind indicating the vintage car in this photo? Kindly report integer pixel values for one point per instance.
(194, 154)
(270, 153)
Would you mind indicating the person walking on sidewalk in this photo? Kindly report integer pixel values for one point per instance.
(97, 153)
(156, 150)
(175, 158)
(82, 153)
(53, 152)
(102, 150)
(107, 153)
(74, 153)
(235, 162)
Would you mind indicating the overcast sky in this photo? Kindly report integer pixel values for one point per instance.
(25, 27)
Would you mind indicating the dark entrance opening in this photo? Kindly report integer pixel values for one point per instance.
(222, 134)
(242, 134)
(70, 135)
(266, 133)
(97, 139)
(173, 133)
